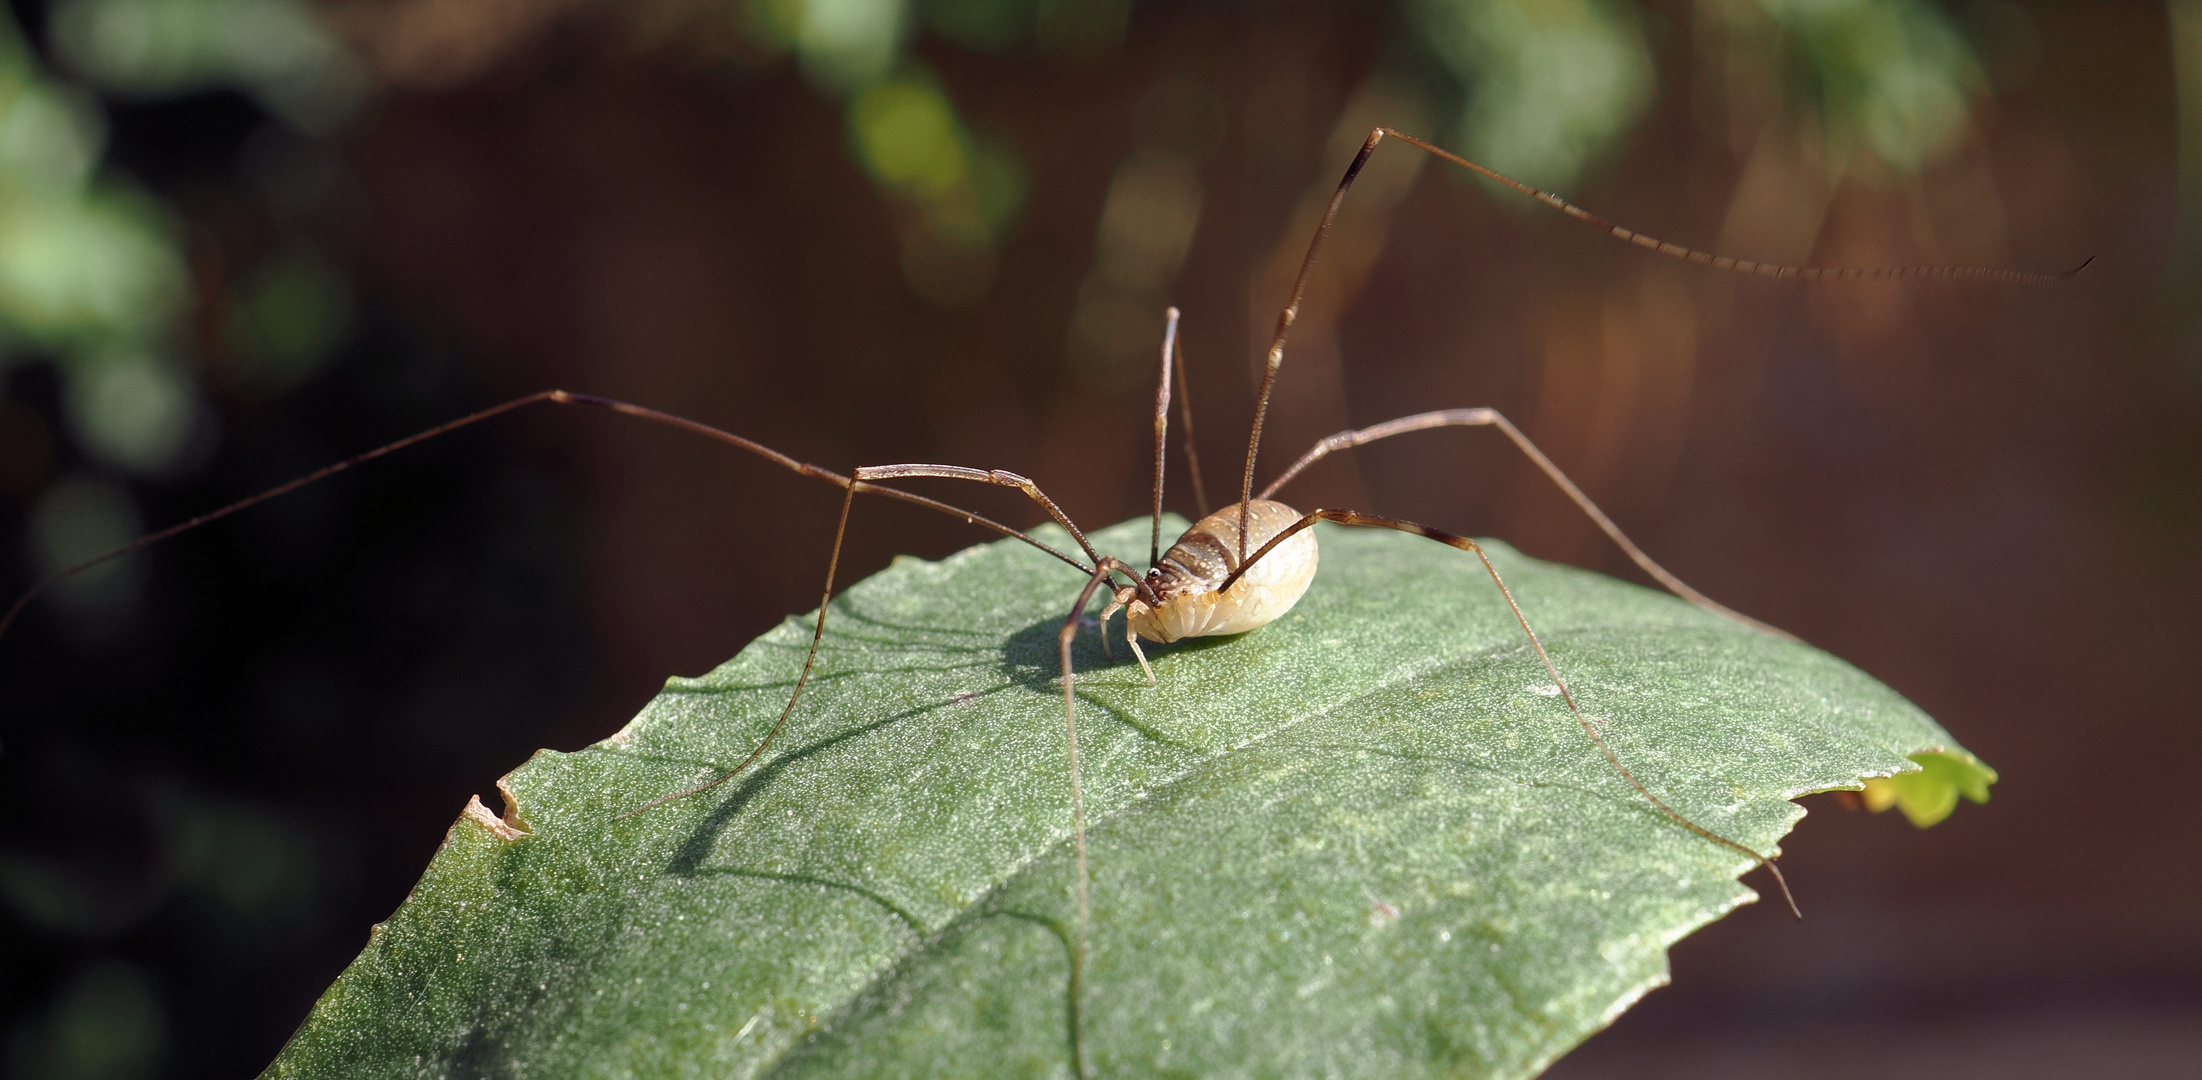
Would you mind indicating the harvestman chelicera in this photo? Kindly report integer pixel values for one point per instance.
(1235, 570)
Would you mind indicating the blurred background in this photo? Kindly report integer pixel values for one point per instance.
(240, 239)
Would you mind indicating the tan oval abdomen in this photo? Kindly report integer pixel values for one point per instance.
(1206, 555)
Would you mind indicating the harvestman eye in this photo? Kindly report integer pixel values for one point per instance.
(1236, 569)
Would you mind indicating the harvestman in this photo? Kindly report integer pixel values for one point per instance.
(1236, 569)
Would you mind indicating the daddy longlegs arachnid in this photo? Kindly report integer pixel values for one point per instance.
(1236, 569)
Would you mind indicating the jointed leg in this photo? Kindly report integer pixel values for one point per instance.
(1103, 567)
(1352, 517)
(1124, 597)
(1291, 312)
(1173, 360)
(1162, 430)
(810, 658)
(1346, 440)
(1005, 478)
(850, 488)
(555, 397)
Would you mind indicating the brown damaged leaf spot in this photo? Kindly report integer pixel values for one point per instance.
(513, 818)
(480, 815)
(509, 827)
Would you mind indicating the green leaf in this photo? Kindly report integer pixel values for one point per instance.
(1367, 839)
(1929, 795)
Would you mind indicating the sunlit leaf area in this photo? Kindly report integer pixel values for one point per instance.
(1294, 872)
(244, 239)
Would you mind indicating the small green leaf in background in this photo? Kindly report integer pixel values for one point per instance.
(1366, 840)
(1929, 795)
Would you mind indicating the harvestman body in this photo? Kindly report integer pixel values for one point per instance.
(1235, 570)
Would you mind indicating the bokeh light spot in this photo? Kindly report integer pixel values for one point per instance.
(132, 410)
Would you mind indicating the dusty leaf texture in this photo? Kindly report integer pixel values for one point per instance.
(1365, 840)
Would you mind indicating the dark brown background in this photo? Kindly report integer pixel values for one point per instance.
(1987, 497)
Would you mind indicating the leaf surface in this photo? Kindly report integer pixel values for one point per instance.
(1365, 840)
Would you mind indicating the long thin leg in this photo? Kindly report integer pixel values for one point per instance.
(556, 397)
(810, 659)
(1005, 478)
(1131, 638)
(1347, 440)
(1354, 517)
(1185, 413)
(1162, 431)
(1995, 275)
(850, 488)
(1291, 310)
(1103, 567)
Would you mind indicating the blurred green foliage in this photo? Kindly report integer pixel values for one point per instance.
(278, 51)
(289, 313)
(93, 275)
(964, 190)
(957, 191)
(1894, 77)
(90, 271)
(77, 516)
(251, 871)
(106, 1024)
(1543, 89)
(1549, 85)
